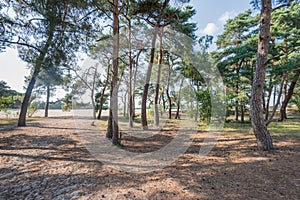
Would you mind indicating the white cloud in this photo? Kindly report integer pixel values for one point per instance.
(227, 15)
(210, 29)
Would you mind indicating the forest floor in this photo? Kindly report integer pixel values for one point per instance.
(47, 159)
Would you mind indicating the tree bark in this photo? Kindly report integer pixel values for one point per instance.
(288, 97)
(263, 138)
(242, 111)
(130, 95)
(168, 92)
(114, 97)
(47, 100)
(160, 59)
(163, 100)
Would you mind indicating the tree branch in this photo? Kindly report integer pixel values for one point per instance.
(22, 44)
(281, 6)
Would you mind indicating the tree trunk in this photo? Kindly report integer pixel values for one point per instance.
(134, 82)
(168, 92)
(237, 93)
(268, 99)
(169, 104)
(163, 101)
(288, 97)
(160, 59)
(101, 100)
(146, 87)
(177, 116)
(242, 111)
(130, 95)
(274, 94)
(47, 100)
(275, 105)
(109, 132)
(284, 96)
(25, 102)
(37, 69)
(197, 103)
(93, 92)
(263, 138)
(125, 105)
(109, 125)
(149, 70)
(114, 97)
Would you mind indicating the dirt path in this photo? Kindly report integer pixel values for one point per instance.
(47, 160)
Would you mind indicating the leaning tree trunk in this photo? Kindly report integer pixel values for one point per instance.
(149, 70)
(263, 138)
(287, 98)
(25, 102)
(47, 101)
(37, 69)
(101, 101)
(146, 86)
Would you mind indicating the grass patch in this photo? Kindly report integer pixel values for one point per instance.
(11, 121)
(289, 129)
(283, 130)
(234, 126)
(7, 121)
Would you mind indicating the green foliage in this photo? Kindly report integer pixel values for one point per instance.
(8, 98)
(68, 102)
(33, 108)
(5, 103)
(203, 96)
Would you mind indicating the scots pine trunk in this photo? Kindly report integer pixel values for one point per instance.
(263, 137)
(47, 100)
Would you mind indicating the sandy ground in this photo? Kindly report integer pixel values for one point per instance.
(48, 160)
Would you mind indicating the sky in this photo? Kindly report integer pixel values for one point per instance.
(211, 16)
